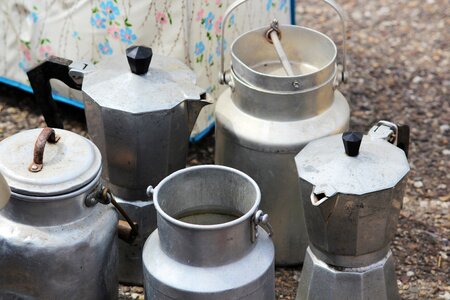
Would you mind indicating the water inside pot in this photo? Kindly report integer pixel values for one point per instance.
(275, 68)
(209, 216)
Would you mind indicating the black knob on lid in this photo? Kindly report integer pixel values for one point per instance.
(139, 58)
(352, 142)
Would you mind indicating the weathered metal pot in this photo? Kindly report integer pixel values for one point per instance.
(266, 116)
(352, 189)
(54, 242)
(208, 244)
(140, 110)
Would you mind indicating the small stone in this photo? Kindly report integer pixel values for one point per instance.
(410, 273)
(444, 128)
(417, 79)
(446, 151)
(134, 296)
(418, 184)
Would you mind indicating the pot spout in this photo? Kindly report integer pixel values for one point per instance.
(321, 193)
(193, 109)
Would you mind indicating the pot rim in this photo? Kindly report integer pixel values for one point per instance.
(248, 215)
(288, 78)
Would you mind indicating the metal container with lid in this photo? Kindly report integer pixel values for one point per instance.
(140, 109)
(54, 241)
(352, 188)
(283, 94)
(209, 243)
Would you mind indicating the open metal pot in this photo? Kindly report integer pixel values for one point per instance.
(209, 243)
(282, 94)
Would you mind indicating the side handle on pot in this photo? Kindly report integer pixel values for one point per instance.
(393, 133)
(260, 219)
(223, 78)
(47, 135)
(55, 68)
(127, 230)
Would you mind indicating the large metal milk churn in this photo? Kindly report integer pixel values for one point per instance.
(352, 188)
(283, 94)
(140, 110)
(209, 243)
(56, 242)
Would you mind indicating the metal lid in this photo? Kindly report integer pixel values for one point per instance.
(167, 83)
(70, 163)
(377, 166)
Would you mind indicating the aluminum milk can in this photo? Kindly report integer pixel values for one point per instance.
(352, 189)
(54, 243)
(209, 243)
(267, 116)
(140, 110)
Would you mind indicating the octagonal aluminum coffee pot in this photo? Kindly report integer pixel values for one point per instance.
(140, 119)
(352, 190)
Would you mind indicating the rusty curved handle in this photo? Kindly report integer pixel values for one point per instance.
(47, 135)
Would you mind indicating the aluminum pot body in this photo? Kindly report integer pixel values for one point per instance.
(259, 132)
(57, 248)
(353, 230)
(208, 244)
(141, 124)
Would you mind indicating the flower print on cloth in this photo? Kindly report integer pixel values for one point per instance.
(98, 21)
(219, 44)
(25, 49)
(283, 4)
(218, 25)
(127, 36)
(200, 15)
(209, 21)
(211, 60)
(199, 49)
(109, 10)
(105, 48)
(163, 18)
(114, 31)
(45, 51)
(269, 4)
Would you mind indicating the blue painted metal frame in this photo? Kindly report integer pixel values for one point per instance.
(293, 12)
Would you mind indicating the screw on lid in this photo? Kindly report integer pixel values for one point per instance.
(139, 58)
(352, 142)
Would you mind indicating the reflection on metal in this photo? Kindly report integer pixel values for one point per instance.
(205, 246)
(356, 186)
(52, 245)
(266, 117)
(140, 119)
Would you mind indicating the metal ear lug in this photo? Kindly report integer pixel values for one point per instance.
(261, 219)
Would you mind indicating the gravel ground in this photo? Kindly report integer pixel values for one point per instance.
(399, 60)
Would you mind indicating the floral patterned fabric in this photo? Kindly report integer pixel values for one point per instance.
(32, 30)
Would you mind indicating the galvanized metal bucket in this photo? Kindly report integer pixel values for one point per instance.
(208, 244)
(283, 94)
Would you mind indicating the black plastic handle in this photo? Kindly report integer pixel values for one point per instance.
(52, 68)
(403, 138)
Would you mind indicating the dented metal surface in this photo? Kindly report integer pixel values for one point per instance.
(352, 189)
(266, 117)
(52, 245)
(209, 243)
